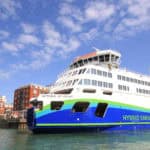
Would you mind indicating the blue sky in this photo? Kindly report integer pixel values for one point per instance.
(40, 38)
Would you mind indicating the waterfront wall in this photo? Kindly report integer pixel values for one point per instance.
(3, 123)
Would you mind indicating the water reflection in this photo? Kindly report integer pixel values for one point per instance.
(14, 140)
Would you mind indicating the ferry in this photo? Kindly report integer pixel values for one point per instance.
(93, 94)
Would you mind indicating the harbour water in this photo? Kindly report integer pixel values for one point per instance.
(11, 139)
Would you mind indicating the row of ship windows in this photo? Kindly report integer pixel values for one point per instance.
(79, 107)
(138, 90)
(123, 87)
(90, 71)
(100, 73)
(95, 83)
(123, 78)
(67, 83)
(72, 73)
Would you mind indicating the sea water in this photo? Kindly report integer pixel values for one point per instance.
(124, 140)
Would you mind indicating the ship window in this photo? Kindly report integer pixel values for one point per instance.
(95, 58)
(40, 105)
(93, 71)
(135, 80)
(80, 82)
(85, 61)
(87, 81)
(107, 92)
(101, 58)
(101, 109)
(127, 79)
(56, 105)
(94, 82)
(66, 91)
(80, 71)
(110, 85)
(83, 70)
(104, 73)
(112, 58)
(106, 57)
(89, 91)
(105, 84)
(37, 104)
(99, 83)
(88, 71)
(76, 80)
(119, 77)
(145, 83)
(123, 78)
(99, 72)
(110, 75)
(80, 107)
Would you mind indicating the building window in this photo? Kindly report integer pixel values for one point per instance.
(101, 109)
(80, 107)
(56, 105)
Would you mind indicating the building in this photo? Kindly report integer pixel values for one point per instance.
(2, 104)
(23, 94)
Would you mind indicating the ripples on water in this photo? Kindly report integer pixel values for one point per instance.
(127, 140)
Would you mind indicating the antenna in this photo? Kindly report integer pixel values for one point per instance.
(97, 50)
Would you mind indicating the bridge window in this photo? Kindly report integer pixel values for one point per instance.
(80, 107)
(101, 109)
(106, 58)
(56, 105)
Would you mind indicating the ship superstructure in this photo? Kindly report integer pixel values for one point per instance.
(94, 93)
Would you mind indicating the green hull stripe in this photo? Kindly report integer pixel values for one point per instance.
(93, 124)
(92, 101)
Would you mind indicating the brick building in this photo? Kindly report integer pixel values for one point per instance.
(2, 104)
(23, 94)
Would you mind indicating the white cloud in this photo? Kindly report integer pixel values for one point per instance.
(50, 31)
(39, 59)
(69, 10)
(73, 44)
(98, 11)
(11, 47)
(4, 74)
(68, 22)
(4, 34)
(8, 8)
(28, 28)
(28, 39)
(89, 35)
(58, 41)
(137, 18)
